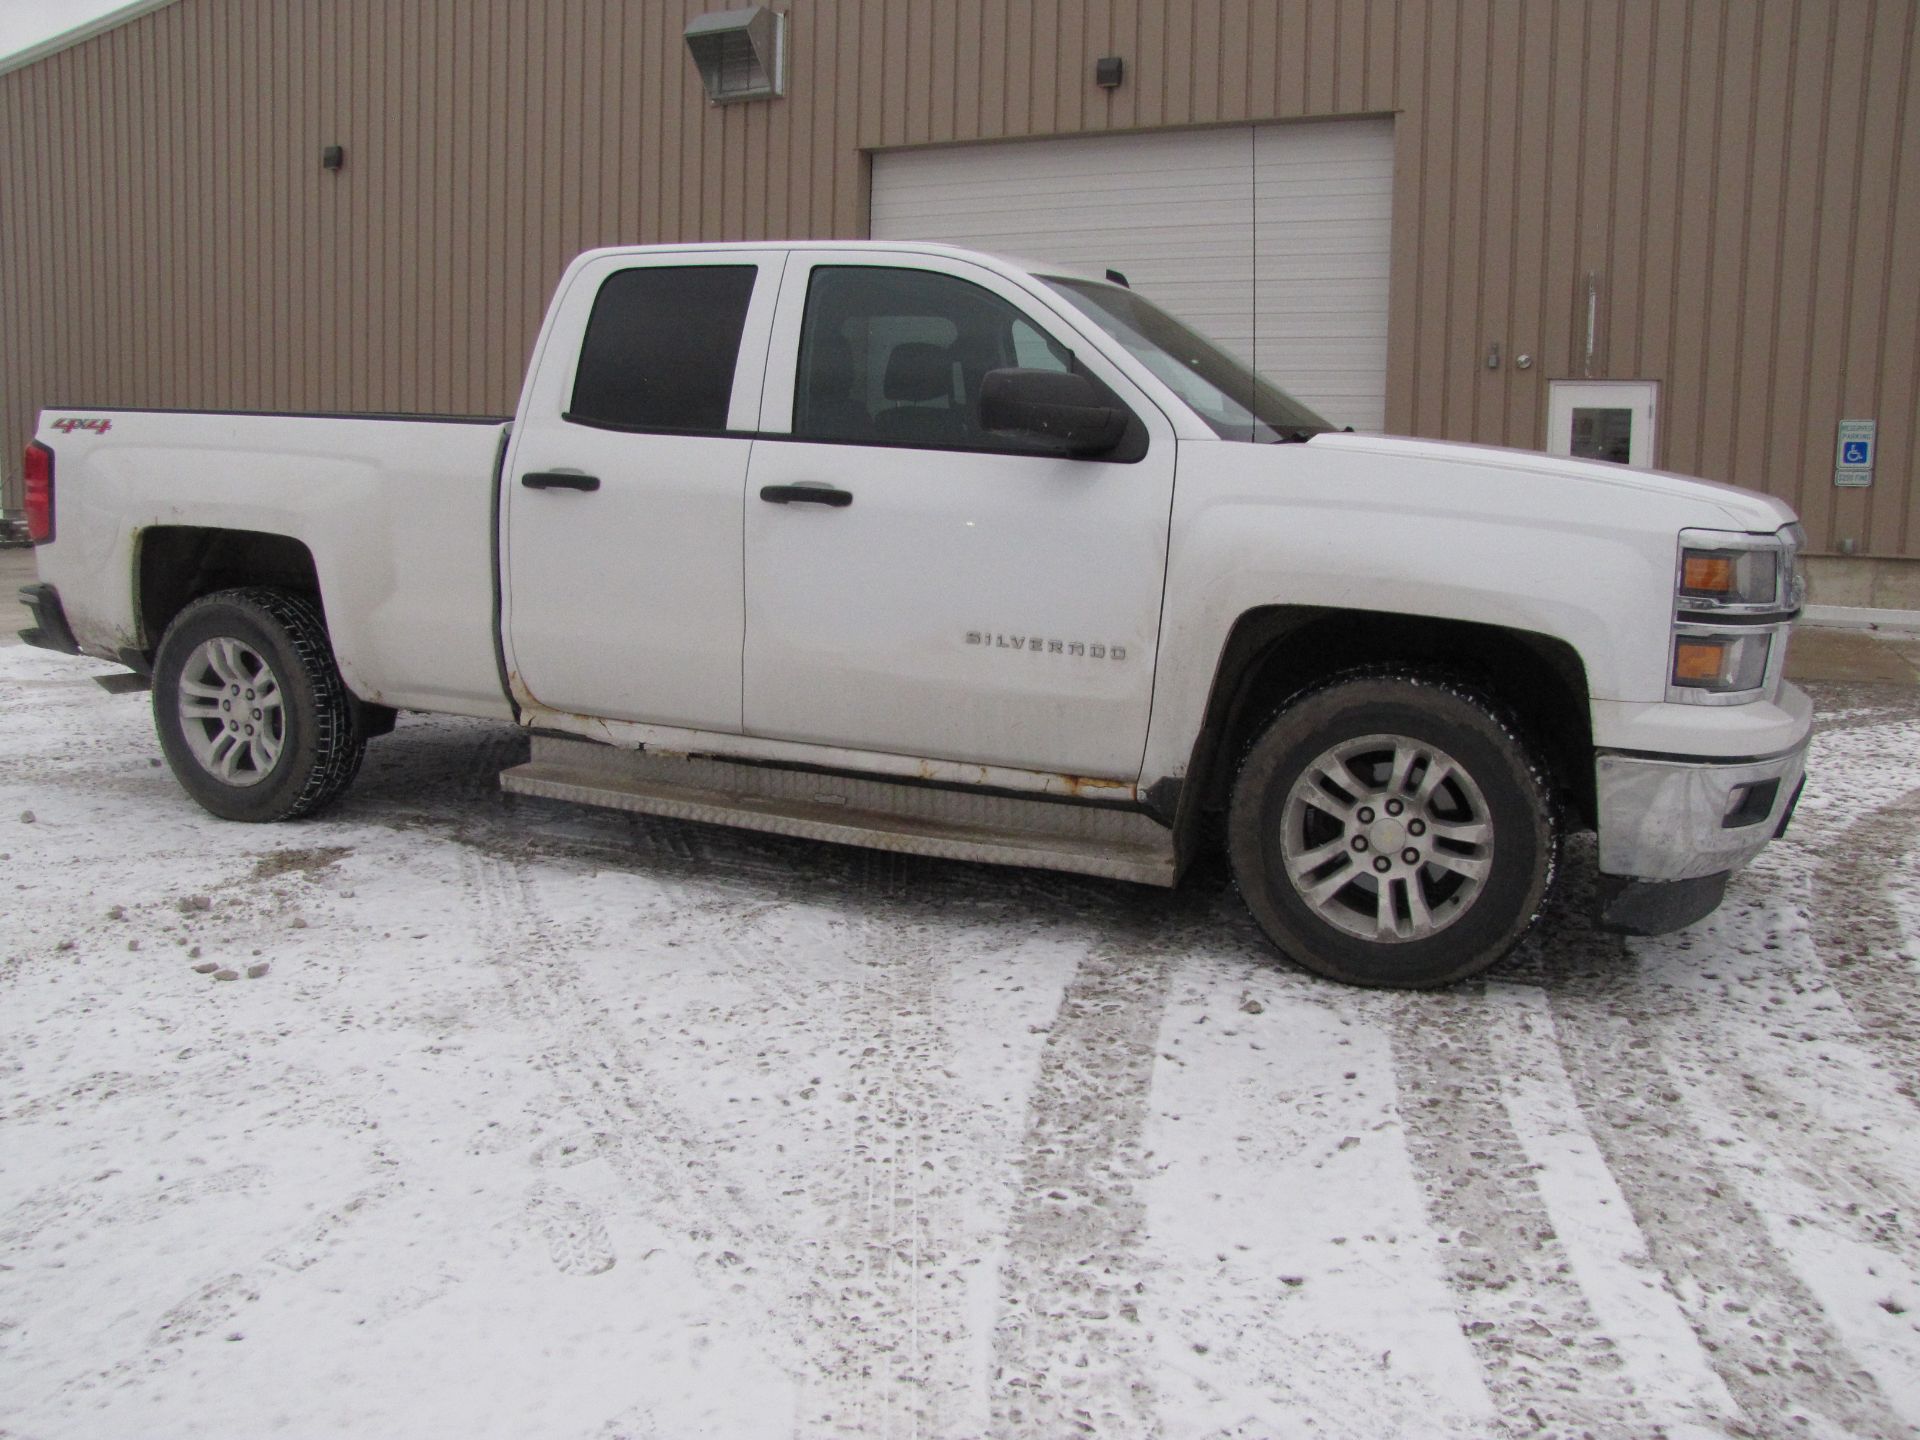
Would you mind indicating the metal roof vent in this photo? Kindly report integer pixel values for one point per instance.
(741, 54)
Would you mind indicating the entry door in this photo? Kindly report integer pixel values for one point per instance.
(1609, 420)
(623, 491)
(948, 594)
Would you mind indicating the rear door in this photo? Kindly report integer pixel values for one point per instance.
(624, 487)
(948, 595)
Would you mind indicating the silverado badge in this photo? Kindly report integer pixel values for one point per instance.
(1041, 645)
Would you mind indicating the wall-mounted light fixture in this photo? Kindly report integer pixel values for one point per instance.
(741, 54)
(333, 157)
(1109, 71)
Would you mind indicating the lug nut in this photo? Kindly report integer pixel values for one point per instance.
(1394, 807)
(1410, 855)
(1383, 864)
(1416, 827)
(1360, 843)
(1365, 817)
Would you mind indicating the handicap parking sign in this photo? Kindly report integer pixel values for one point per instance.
(1855, 450)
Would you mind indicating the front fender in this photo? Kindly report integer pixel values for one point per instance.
(1259, 526)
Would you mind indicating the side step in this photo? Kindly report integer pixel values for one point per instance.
(880, 814)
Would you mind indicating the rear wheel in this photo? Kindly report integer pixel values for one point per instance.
(250, 708)
(1392, 831)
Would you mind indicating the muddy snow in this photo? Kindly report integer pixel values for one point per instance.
(455, 1114)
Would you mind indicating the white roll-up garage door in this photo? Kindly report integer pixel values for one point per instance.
(1273, 239)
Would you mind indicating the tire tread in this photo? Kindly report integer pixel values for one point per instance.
(1462, 689)
(337, 742)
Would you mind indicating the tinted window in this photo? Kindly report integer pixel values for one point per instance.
(660, 348)
(896, 357)
(1236, 403)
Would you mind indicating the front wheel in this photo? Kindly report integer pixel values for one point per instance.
(1392, 831)
(250, 708)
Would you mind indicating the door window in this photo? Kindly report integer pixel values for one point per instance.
(660, 348)
(1610, 420)
(1035, 351)
(896, 357)
(1602, 432)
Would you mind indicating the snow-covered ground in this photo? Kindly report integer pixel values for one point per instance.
(546, 1122)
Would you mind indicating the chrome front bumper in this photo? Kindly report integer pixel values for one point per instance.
(1669, 820)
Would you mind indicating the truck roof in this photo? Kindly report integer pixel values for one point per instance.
(1013, 263)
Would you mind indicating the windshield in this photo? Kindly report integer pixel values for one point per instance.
(1235, 401)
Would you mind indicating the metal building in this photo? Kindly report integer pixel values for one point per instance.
(1682, 233)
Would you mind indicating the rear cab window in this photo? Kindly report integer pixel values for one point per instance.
(660, 349)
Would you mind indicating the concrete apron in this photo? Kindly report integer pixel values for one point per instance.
(1829, 653)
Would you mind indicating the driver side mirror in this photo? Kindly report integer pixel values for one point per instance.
(1053, 405)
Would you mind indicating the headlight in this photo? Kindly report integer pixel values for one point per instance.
(1728, 572)
(1734, 596)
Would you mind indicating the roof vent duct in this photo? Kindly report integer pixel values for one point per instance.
(741, 54)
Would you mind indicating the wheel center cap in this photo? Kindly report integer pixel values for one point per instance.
(1386, 834)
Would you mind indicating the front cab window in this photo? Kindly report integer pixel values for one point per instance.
(898, 357)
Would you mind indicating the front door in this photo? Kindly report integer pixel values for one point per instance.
(1609, 420)
(623, 492)
(949, 594)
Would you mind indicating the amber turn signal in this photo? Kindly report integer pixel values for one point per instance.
(1707, 574)
(1698, 661)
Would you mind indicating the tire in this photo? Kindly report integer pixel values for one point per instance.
(223, 661)
(1468, 857)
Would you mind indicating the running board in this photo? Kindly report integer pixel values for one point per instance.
(949, 824)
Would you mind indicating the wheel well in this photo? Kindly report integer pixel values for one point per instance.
(1275, 653)
(177, 564)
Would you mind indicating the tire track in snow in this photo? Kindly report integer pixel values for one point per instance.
(1548, 1367)
(1859, 705)
(1855, 1183)
(1859, 1178)
(666, 1160)
(1765, 1333)
(893, 1297)
(1671, 1372)
(1857, 931)
(870, 1318)
(879, 1304)
(762, 1279)
(1069, 1352)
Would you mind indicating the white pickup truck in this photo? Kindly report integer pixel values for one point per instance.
(907, 546)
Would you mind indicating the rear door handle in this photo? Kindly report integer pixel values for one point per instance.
(806, 495)
(560, 480)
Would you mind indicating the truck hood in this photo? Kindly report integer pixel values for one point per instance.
(1744, 509)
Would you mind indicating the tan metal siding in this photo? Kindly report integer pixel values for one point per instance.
(1745, 178)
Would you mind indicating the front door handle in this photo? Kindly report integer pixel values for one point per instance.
(560, 480)
(806, 495)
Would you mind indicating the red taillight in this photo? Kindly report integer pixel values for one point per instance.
(39, 472)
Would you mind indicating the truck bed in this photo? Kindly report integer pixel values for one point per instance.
(396, 511)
